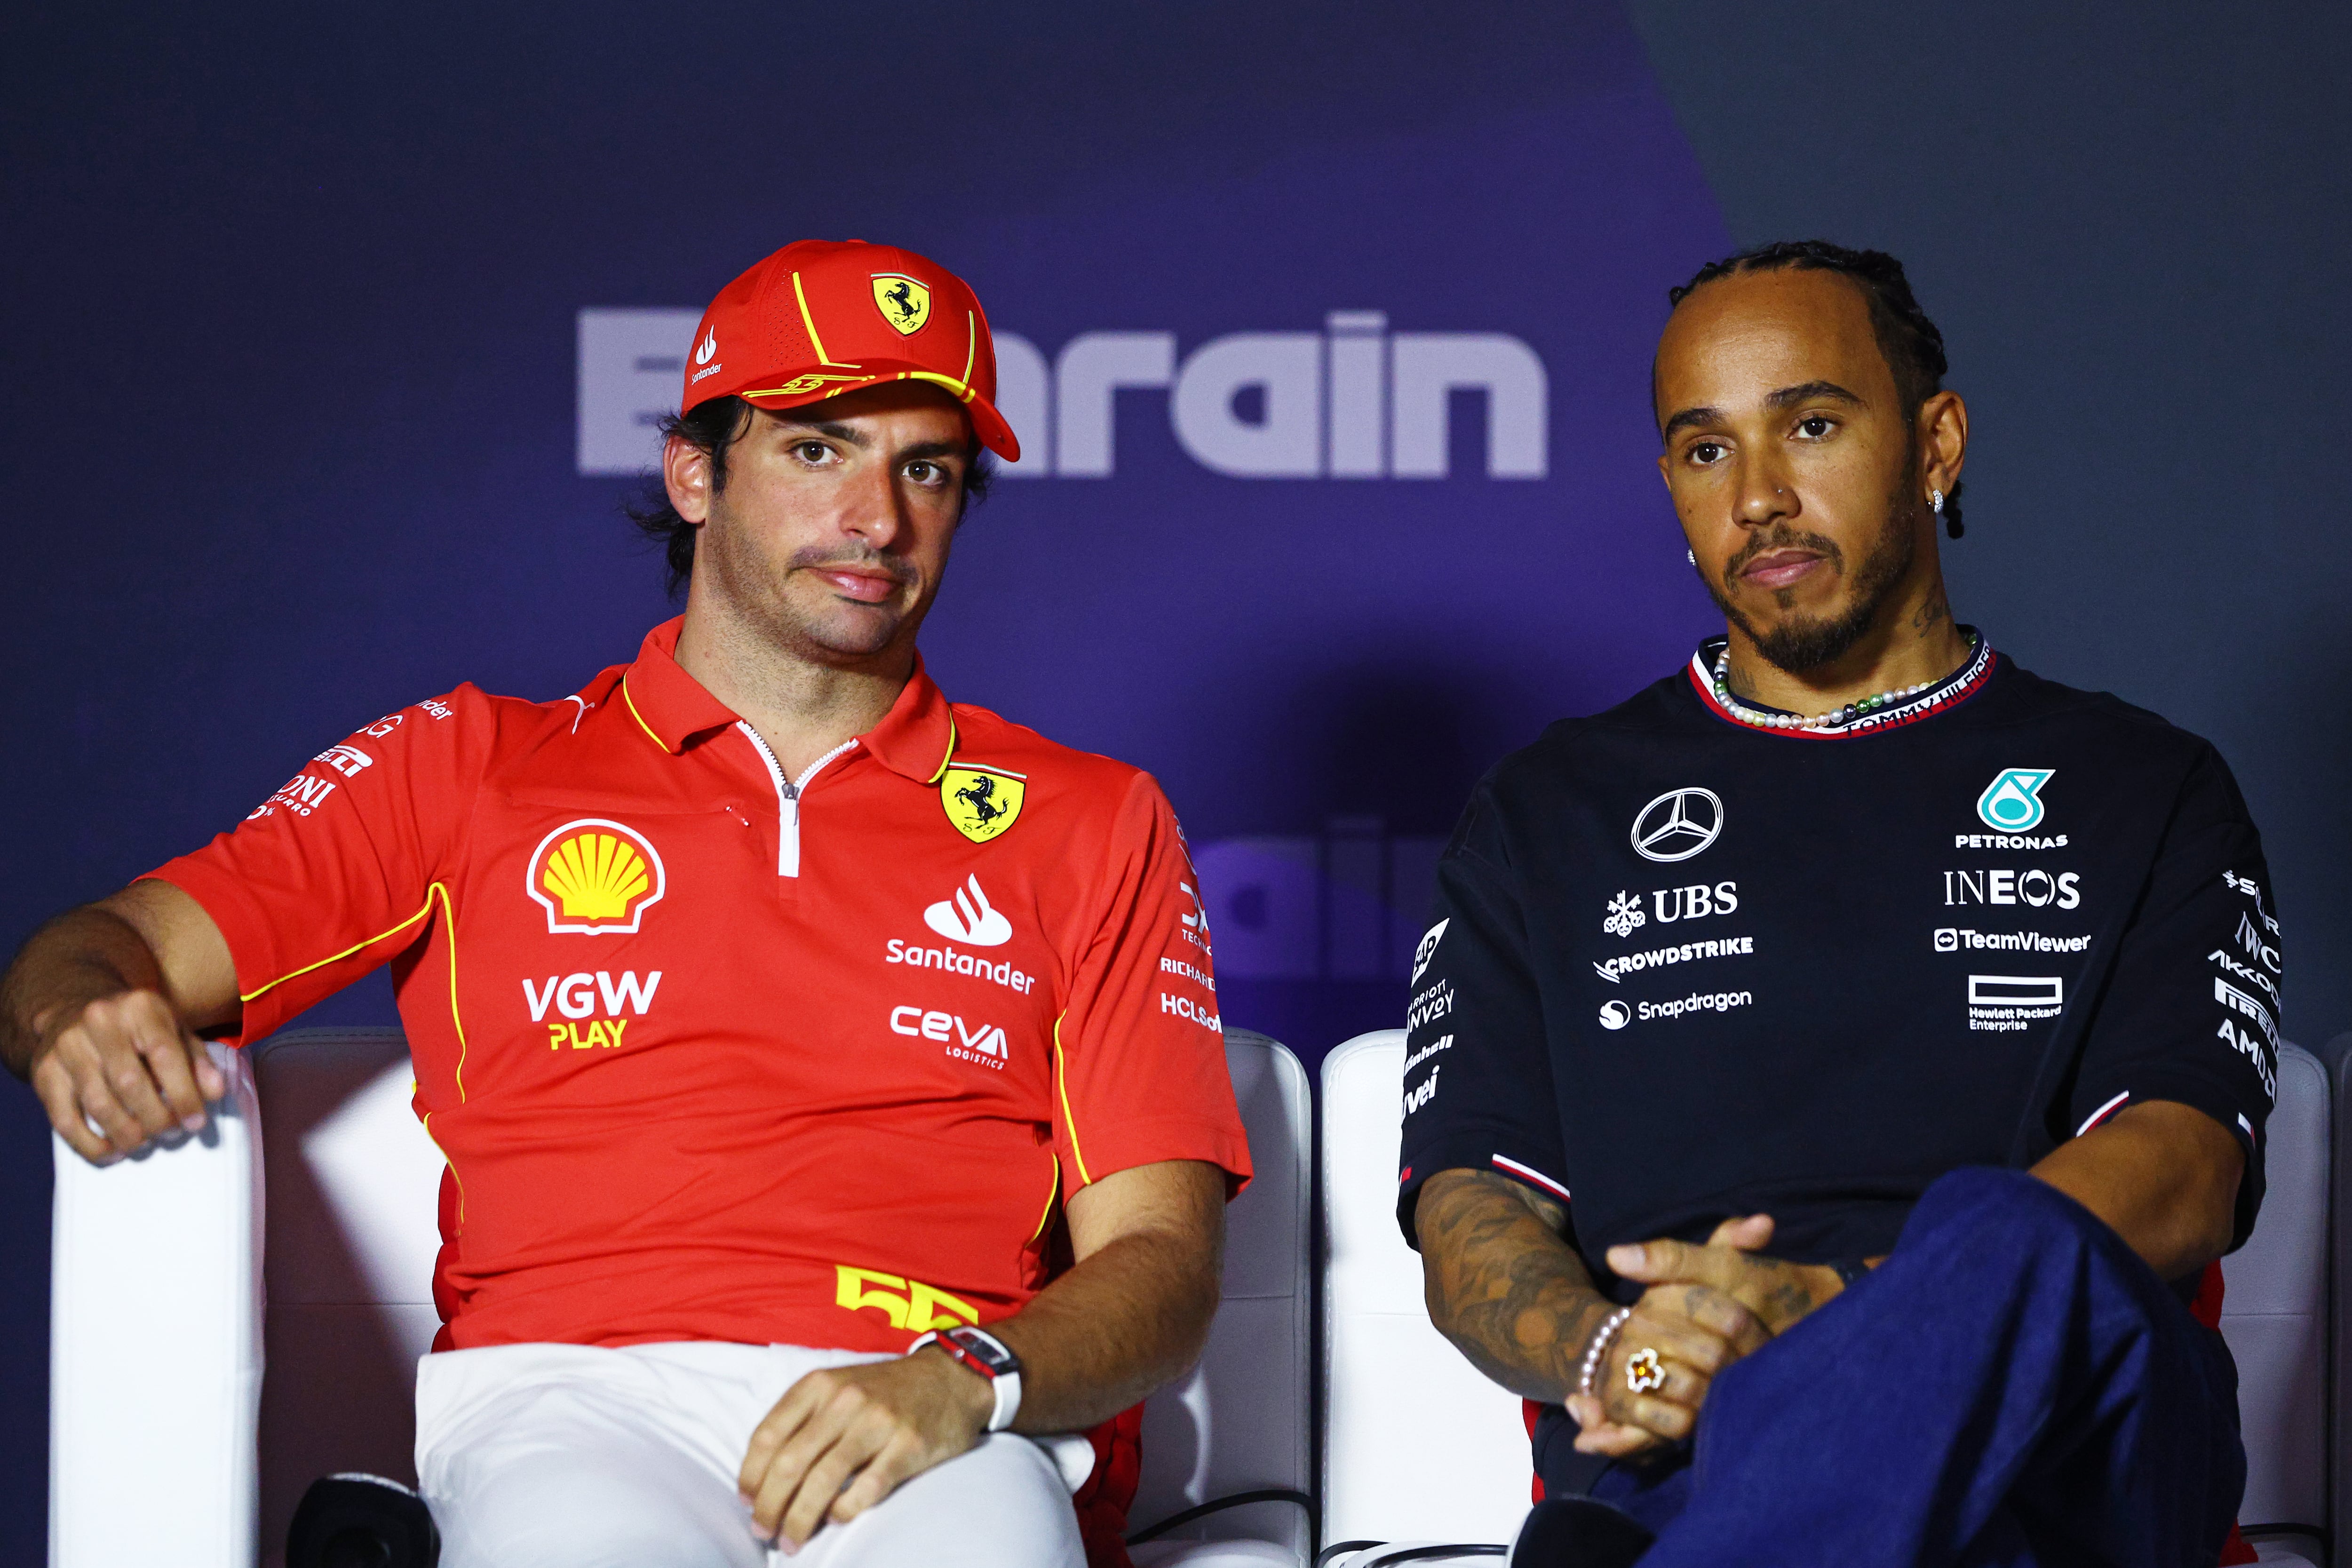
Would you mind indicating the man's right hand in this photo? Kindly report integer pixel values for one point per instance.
(128, 1065)
(1696, 1332)
(100, 1011)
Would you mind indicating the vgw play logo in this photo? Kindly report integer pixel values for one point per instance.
(1355, 401)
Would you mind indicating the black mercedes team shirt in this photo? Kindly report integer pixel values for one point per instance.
(1682, 968)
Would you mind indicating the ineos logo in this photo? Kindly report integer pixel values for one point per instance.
(1678, 824)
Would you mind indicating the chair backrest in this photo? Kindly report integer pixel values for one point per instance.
(1240, 1421)
(353, 1227)
(2275, 1311)
(155, 1347)
(1417, 1444)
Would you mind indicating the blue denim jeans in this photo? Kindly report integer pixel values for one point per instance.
(2012, 1387)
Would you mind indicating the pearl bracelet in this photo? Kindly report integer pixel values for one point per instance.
(1599, 1348)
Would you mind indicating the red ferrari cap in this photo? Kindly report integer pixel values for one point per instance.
(822, 317)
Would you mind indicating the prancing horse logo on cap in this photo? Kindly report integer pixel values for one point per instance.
(904, 302)
(1678, 824)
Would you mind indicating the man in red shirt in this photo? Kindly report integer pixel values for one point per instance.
(781, 1021)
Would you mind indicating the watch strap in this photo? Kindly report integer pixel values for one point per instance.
(1004, 1380)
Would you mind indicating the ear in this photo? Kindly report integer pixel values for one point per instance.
(1943, 431)
(686, 474)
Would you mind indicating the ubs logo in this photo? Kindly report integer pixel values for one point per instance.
(1678, 824)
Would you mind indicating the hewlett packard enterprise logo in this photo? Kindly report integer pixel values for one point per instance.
(1355, 401)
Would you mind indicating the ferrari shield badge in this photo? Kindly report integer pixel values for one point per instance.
(905, 303)
(981, 802)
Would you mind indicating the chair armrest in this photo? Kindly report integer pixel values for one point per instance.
(155, 1314)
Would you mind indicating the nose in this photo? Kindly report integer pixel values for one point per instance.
(1765, 495)
(873, 510)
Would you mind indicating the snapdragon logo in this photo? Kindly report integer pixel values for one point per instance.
(1355, 401)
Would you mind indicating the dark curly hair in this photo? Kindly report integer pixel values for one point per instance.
(713, 425)
(1913, 348)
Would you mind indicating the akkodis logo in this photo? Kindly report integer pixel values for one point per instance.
(2012, 801)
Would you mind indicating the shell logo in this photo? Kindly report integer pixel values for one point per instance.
(593, 877)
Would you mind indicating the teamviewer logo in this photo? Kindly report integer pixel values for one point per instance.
(1946, 940)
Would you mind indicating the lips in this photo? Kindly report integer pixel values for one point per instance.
(1780, 568)
(867, 588)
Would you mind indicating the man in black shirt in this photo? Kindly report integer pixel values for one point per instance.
(1850, 944)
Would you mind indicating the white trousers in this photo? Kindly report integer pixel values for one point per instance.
(550, 1455)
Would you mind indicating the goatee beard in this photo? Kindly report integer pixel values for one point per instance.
(1808, 642)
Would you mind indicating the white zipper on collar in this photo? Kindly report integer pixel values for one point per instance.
(788, 798)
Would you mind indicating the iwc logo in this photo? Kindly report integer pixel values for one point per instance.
(1678, 824)
(904, 302)
(595, 877)
(983, 802)
(2012, 801)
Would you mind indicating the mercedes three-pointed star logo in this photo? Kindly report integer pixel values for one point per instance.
(1678, 824)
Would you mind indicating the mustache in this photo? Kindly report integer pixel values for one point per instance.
(822, 560)
(1783, 537)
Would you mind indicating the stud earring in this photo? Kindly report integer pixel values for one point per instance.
(1691, 556)
(1935, 500)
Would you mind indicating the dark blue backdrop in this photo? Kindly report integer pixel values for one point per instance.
(295, 368)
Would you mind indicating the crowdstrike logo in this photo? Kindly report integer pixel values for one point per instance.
(1355, 401)
(968, 918)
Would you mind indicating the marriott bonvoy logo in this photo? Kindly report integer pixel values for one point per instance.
(1355, 401)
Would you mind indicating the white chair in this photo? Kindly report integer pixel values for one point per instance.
(1464, 1474)
(1418, 1446)
(164, 1297)
(1241, 1424)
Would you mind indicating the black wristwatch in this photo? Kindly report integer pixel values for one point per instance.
(990, 1357)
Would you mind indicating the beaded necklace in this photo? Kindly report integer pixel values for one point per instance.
(1837, 718)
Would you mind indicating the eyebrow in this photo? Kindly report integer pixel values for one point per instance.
(850, 436)
(1787, 396)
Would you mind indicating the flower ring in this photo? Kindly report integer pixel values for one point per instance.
(1646, 1372)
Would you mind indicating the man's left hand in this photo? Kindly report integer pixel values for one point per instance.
(1780, 1294)
(842, 1439)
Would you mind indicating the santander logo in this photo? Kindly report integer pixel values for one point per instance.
(968, 918)
(709, 346)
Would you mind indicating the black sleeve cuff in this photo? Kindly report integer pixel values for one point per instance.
(2198, 1093)
(1496, 1152)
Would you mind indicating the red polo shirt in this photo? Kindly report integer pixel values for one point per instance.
(714, 1054)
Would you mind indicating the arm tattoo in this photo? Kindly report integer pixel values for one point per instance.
(1503, 1285)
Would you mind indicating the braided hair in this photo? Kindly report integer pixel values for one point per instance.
(1913, 348)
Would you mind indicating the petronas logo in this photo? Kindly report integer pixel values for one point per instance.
(2012, 801)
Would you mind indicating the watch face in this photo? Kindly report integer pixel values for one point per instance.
(986, 1348)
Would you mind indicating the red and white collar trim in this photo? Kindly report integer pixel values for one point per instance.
(1958, 687)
